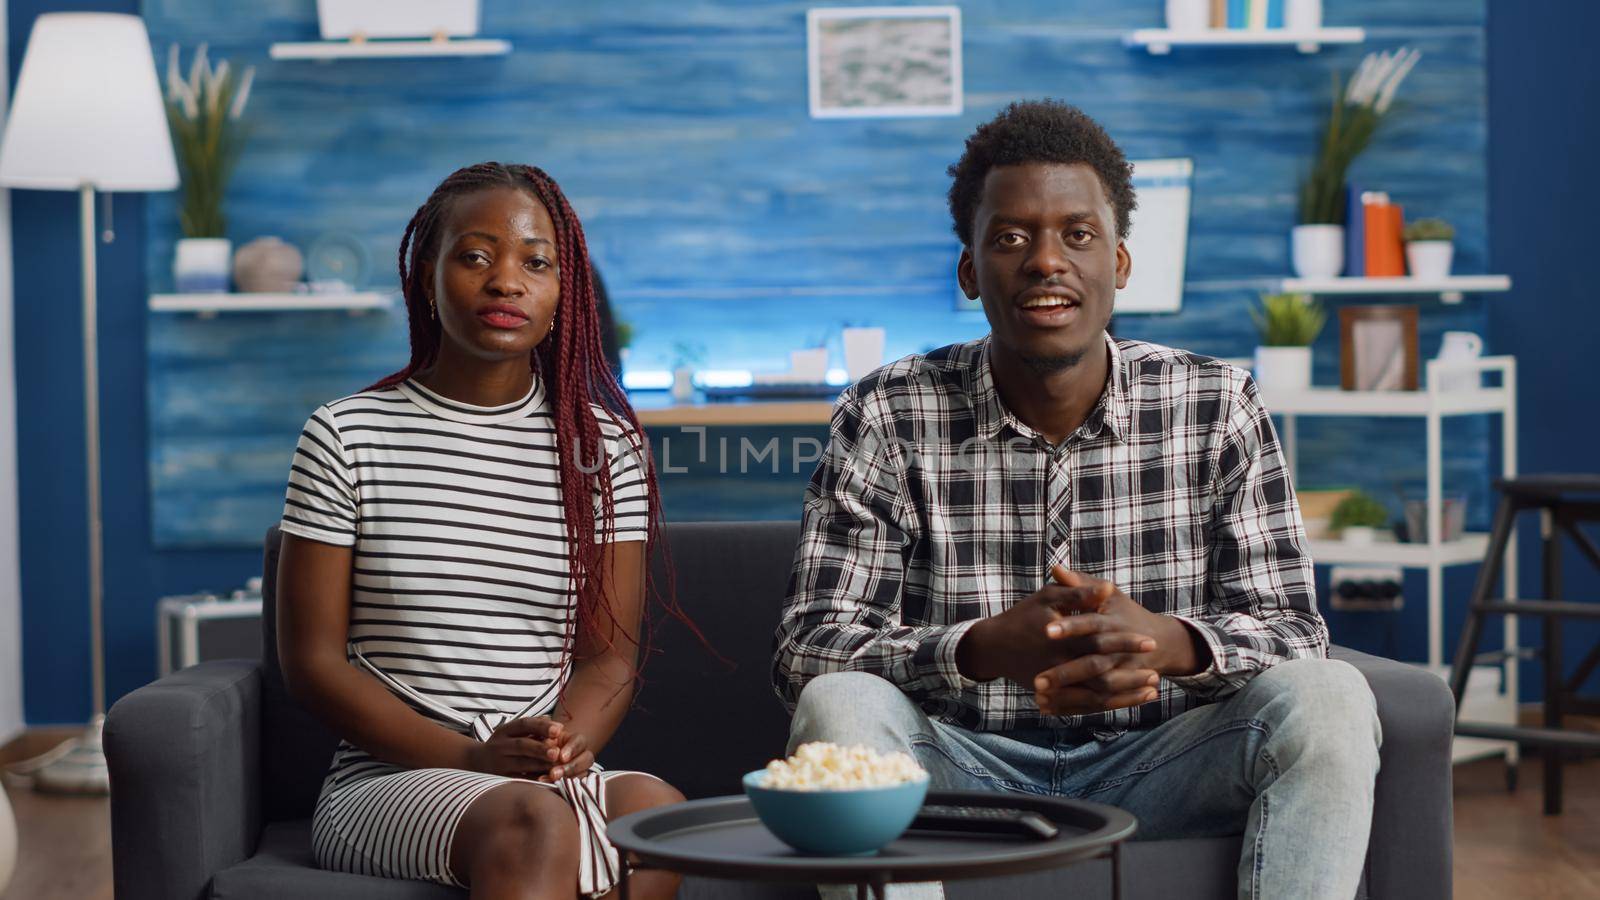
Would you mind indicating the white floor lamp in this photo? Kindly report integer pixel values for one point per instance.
(88, 115)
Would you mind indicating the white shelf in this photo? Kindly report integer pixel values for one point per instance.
(1334, 402)
(1160, 41)
(1449, 289)
(207, 305)
(389, 49)
(1469, 549)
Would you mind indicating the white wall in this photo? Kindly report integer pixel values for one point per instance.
(10, 585)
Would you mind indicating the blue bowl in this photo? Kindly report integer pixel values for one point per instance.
(836, 823)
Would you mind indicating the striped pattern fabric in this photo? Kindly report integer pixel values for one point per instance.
(934, 507)
(461, 599)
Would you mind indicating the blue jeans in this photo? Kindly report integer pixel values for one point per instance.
(1289, 760)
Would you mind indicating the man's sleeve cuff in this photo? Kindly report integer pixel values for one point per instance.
(1210, 678)
(936, 658)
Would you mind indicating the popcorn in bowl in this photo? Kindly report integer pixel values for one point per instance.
(823, 766)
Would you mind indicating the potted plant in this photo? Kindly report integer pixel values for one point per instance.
(1288, 324)
(1358, 516)
(204, 112)
(1430, 248)
(1359, 107)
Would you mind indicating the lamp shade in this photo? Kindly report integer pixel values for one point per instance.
(88, 109)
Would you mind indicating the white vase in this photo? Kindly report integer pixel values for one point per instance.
(863, 351)
(201, 265)
(1318, 250)
(682, 384)
(1430, 259)
(1188, 15)
(8, 841)
(809, 366)
(1283, 368)
(1302, 15)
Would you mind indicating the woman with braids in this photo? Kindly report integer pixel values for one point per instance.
(462, 580)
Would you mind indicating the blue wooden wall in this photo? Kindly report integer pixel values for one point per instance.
(722, 214)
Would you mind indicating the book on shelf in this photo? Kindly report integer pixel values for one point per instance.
(1219, 13)
(1238, 13)
(1275, 14)
(1355, 233)
(1256, 15)
(1383, 222)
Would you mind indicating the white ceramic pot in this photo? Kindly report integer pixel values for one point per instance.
(1358, 534)
(1302, 15)
(8, 841)
(1283, 368)
(863, 351)
(201, 265)
(1430, 259)
(1318, 250)
(1188, 15)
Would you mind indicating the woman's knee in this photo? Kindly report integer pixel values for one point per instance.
(501, 826)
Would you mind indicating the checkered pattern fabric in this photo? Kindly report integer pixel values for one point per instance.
(934, 506)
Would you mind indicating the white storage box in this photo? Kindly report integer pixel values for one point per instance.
(341, 19)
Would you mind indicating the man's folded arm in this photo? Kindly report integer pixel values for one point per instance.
(1262, 606)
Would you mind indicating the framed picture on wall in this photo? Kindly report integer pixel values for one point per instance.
(876, 61)
(1378, 348)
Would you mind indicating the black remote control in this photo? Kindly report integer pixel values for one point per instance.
(985, 820)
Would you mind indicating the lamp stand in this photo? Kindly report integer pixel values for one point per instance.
(79, 766)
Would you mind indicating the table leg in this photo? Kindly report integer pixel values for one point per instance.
(861, 890)
(1116, 871)
(622, 882)
(880, 889)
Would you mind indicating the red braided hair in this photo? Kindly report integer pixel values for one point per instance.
(577, 380)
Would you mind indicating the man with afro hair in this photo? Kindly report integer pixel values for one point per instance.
(1056, 562)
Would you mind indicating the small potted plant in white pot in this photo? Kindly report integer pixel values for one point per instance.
(1430, 248)
(204, 110)
(1288, 324)
(1358, 517)
(1359, 107)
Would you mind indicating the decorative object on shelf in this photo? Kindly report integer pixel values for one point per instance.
(204, 112)
(267, 265)
(863, 351)
(359, 20)
(87, 116)
(877, 61)
(1316, 509)
(809, 365)
(1302, 15)
(1456, 348)
(1430, 248)
(336, 263)
(1359, 107)
(1358, 516)
(1453, 515)
(1288, 323)
(1187, 16)
(1382, 243)
(685, 356)
(1378, 348)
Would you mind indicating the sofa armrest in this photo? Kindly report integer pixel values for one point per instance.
(1408, 854)
(184, 754)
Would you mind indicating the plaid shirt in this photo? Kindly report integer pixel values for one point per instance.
(934, 507)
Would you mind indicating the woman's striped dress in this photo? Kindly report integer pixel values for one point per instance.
(460, 603)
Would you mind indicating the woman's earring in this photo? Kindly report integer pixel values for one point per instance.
(433, 309)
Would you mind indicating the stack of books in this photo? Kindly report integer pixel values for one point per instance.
(1253, 15)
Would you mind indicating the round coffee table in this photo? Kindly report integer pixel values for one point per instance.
(721, 838)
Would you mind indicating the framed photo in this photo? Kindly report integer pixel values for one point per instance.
(878, 61)
(1378, 348)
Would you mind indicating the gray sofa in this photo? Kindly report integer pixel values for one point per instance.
(214, 770)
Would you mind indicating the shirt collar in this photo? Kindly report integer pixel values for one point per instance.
(989, 414)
